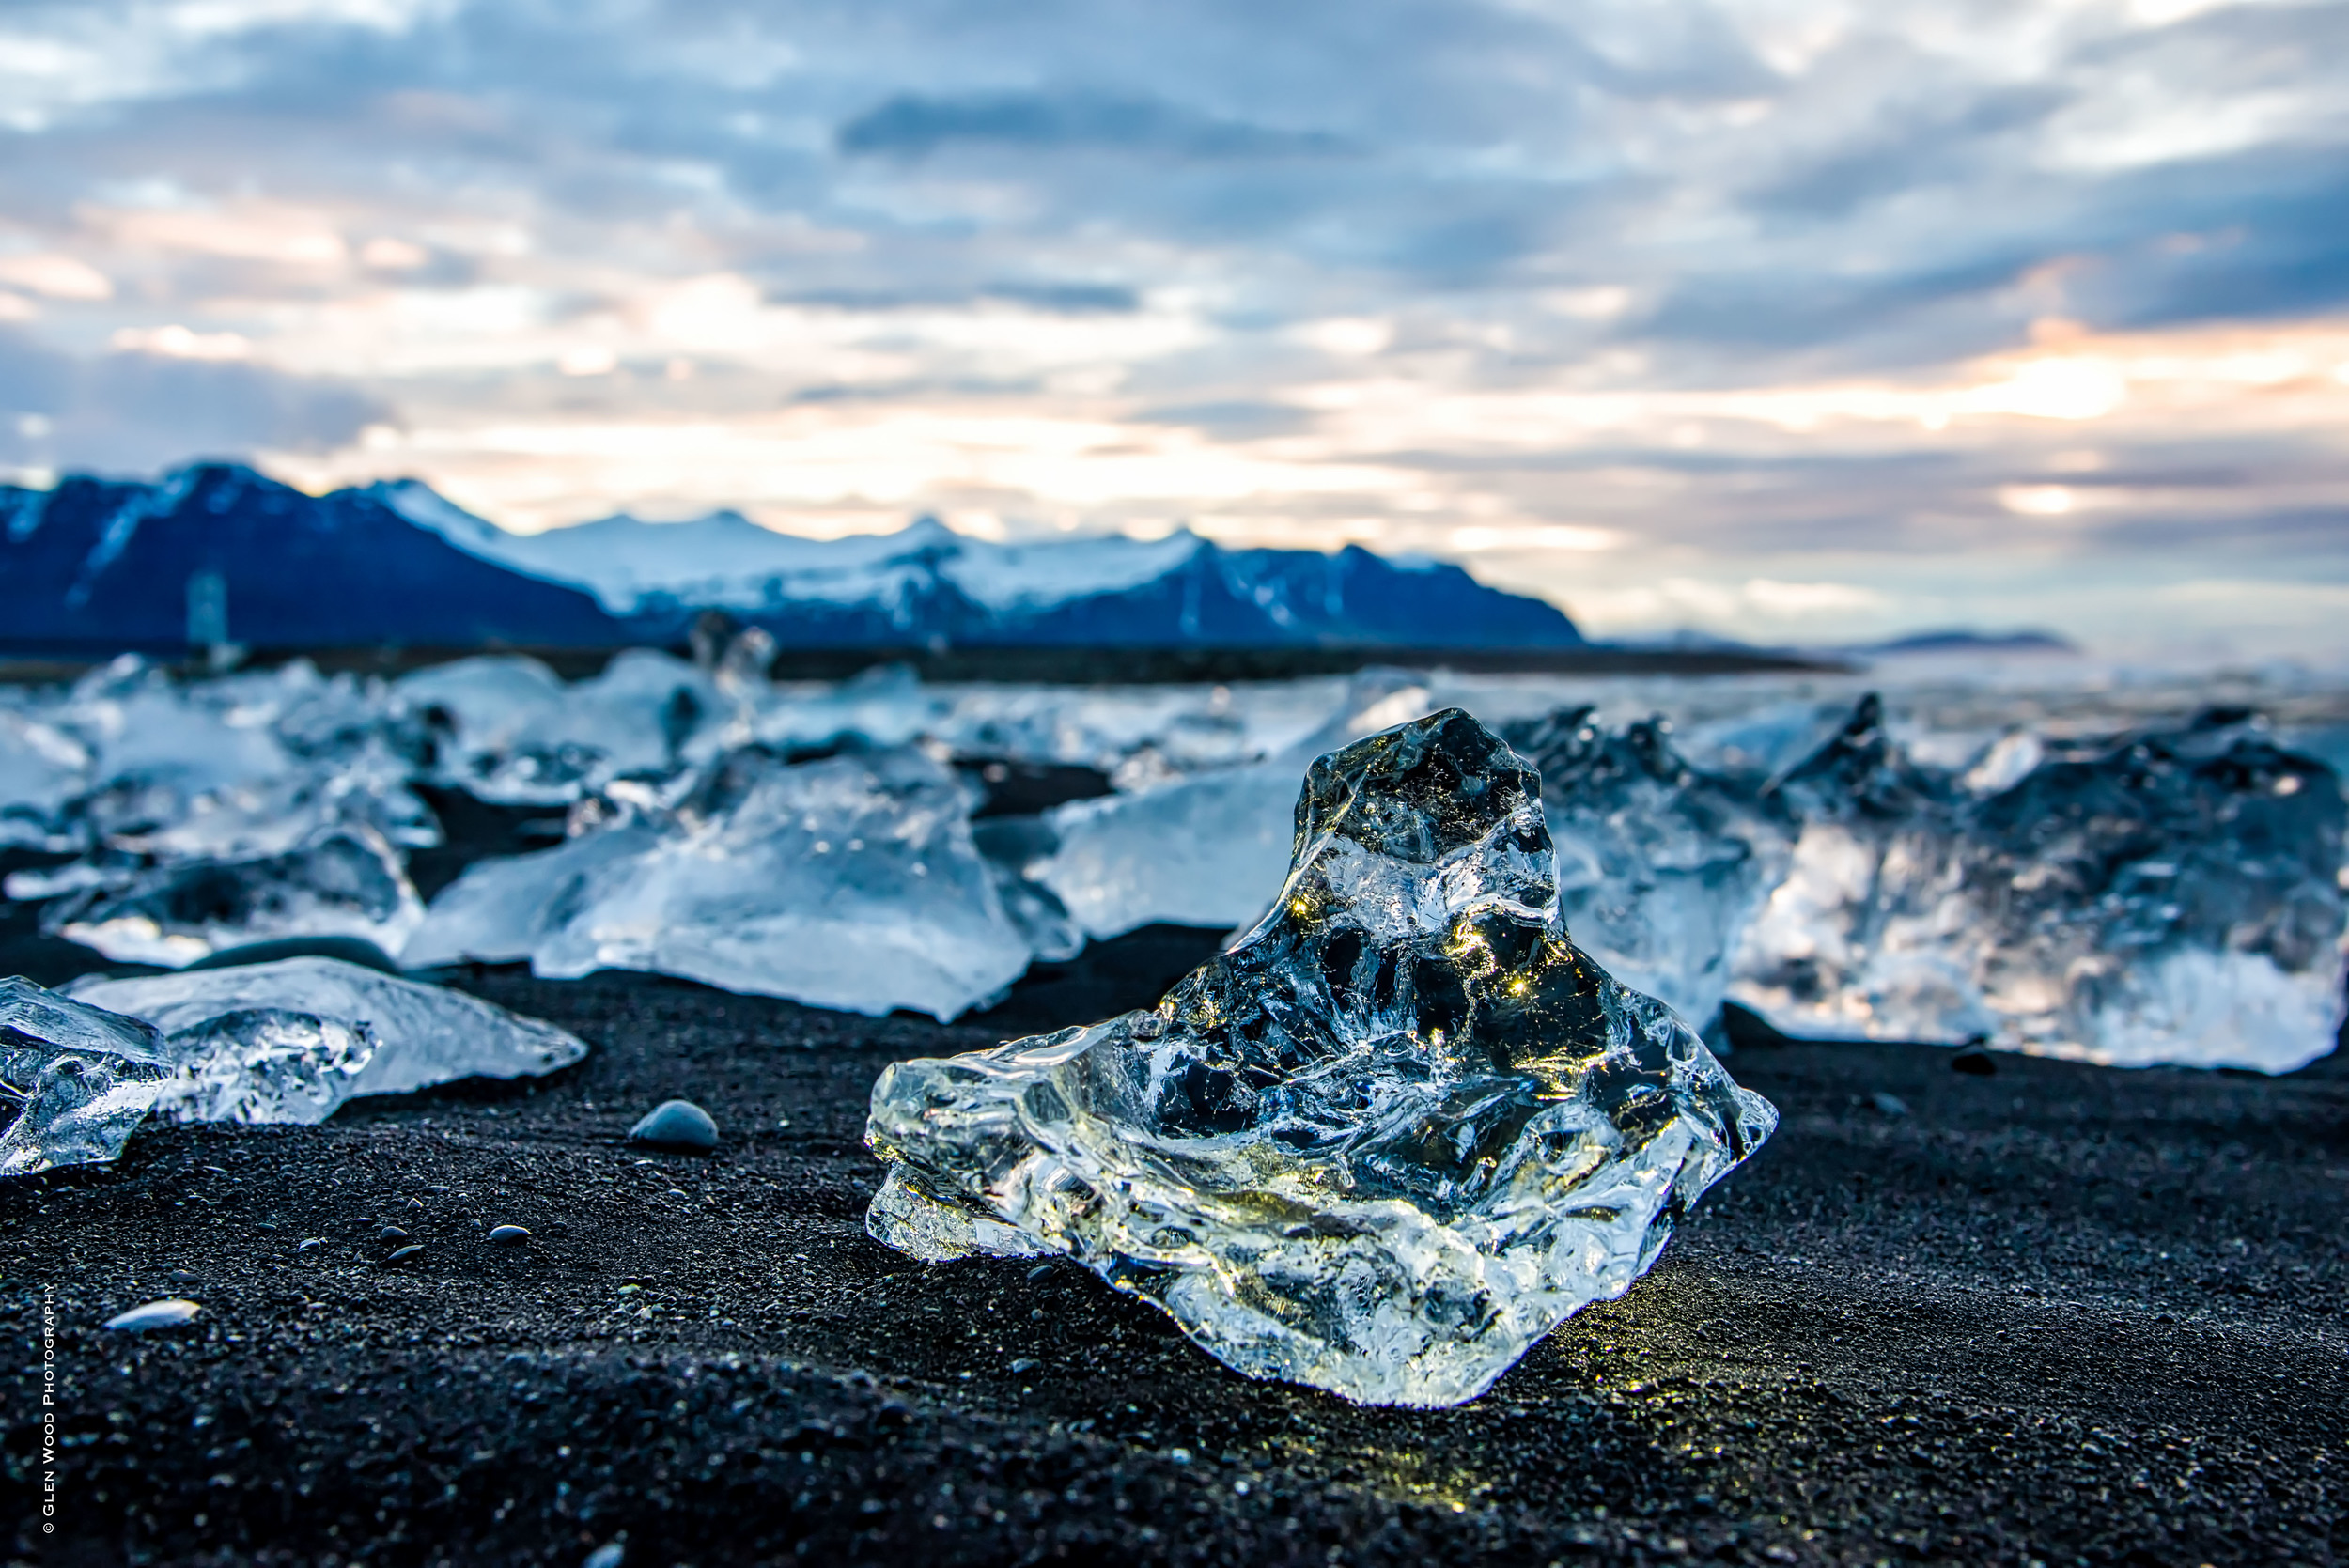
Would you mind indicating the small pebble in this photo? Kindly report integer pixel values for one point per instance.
(1889, 1105)
(403, 1252)
(509, 1235)
(677, 1124)
(610, 1555)
(1022, 1364)
(155, 1315)
(1039, 1271)
(677, 1192)
(184, 1277)
(393, 1232)
(308, 1242)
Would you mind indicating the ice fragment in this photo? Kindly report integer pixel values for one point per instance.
(168, 1314)
(1384, 1144)
(345, 881)
(80, 1079)
(1659, 865)
(291, 1041)
(2169, 895)
(1206, 848)
(849, 882)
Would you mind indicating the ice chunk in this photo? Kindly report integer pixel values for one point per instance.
(41, 768)
(2168, 897)
(1383, 1145)
(850, 882)
(513, 733)
(80, 1079)
(342, 881)
(168, 1314)
(1660, 866)
(292, 1040)
(1209, 849)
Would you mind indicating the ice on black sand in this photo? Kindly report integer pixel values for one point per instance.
(167, 1314)
(1400, 1132)
(80, 1079)
(676, 1124)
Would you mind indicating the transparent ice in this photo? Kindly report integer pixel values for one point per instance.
(77, 1079)
(508, 731)
(342, 881)
(849, 882)
(291, 1041)
(1384, 1144)
(2168, 896)
(1660, 866)
(1206, 848)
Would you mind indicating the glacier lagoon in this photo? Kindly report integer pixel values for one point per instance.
(2120, 866)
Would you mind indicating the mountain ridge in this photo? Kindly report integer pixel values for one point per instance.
(97, 562)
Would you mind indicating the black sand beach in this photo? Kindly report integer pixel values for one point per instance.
(2056, 1315)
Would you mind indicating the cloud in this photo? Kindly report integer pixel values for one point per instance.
(916, 127)
(136, 411)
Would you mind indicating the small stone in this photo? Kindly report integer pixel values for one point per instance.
(392, 1233)
(1974, 1061)
(403, 1254)
(184, 1277)
(508, 1235)
(308, 1242)
(1039, 1271)
(677, 1192)
(610, 1555)
(677, 1124)
(1888, 1105)
(168, 1314)
(1022, 1364)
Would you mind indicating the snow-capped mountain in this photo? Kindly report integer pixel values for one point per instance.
(926, 582)
(96, 562)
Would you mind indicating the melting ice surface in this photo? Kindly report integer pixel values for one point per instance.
(283, 1042)
(1401, 1131)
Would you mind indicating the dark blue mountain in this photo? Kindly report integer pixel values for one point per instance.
(105, 564)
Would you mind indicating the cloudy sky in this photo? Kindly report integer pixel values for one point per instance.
(1776, 318)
